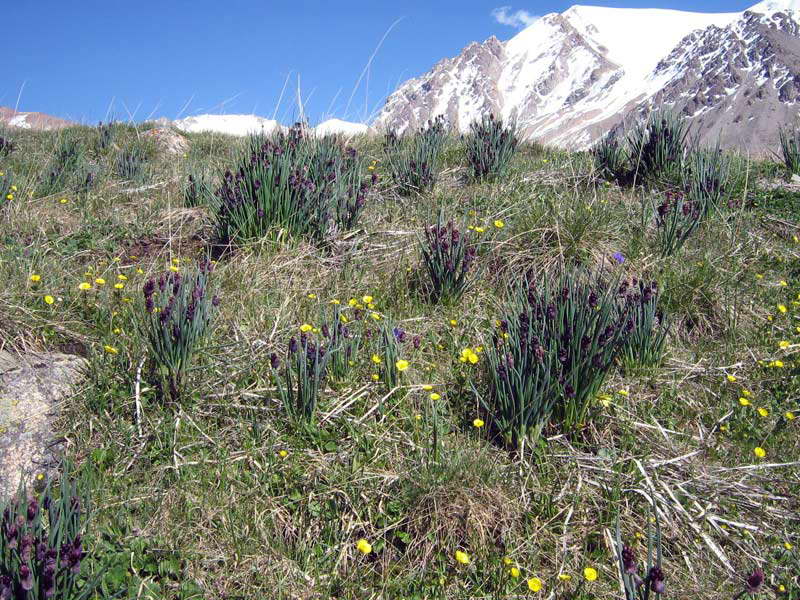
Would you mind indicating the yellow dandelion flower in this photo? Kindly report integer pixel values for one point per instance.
(782, 308)
(783, 344)
(564, 576)
(401, 365)
(119, 286)
(352, 302)
(514, 572)
(534, 584)
(110, 350)
(63, 201)
(480, 229)
(789, 415)
(376, 359)
(305, 327)
(453, 322)
(783, 283)
(478, 423)
(788, 545)
(85, 285)
(744, 401)
(623, 392)
(367, 299)
(507, 561)
(36, 277)
(776, 364)
(462, 557)
(590, 574)
(763, 411)
(427, 387)
(435, 396)
(335, 301)
(499, 224)
(375, 316)
(312, 296)
(746, 393)
(759, 452)
(730, 378)
(122, 277)
(418, 417)
(173, 268)
(375, 377)
(781, 588)
(100, 281)
(364, 546)
(49, 299)
(139, 271)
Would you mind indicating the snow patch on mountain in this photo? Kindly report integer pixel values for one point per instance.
(337, 126)
(239, 125)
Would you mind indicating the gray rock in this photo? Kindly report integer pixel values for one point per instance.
(168, 140)
(32, 389)
(795, 178)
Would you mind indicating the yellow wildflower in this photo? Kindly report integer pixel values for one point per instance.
(744, 401)
(364, 546)
(789, 415)
(462, 557)
(783, 283)
(312, 296)
(376, 359)
(122, 277)
(534, 584)
(367, 299)
(782, 308)
(590, 573)
(375, 316)
(85, 285)
(375, 377)
(401, 365)
(111, 349)
(763, 411)
(783, 344)
(499, 224)
(283, 454)
(731, 378)
(173, 268)
(759, 452)
(427, 387)
(119, 285)
(564, 577)
(788, 545)
(514, 572)
(478, 423)
(100, 281)
(305, 327)
(35, 277)
(507, 561)
(453, 322)
(435, 396)
(335, 301)
(49, 300)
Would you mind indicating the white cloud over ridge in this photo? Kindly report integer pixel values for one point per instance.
(517, 19)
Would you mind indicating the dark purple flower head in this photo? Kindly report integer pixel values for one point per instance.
(274, 361)
(33, 509)
(25, 578)
(628, 560)
(755, 581)
(656, 579)
(399, 334)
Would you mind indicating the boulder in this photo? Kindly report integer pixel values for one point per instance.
(32, 389)
(168, 140)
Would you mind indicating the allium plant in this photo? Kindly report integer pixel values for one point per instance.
(177, 315)
(448, 257)
(611, 158)
(413, 160)
(708, 179)
(676, 220)
(391, 342)
(790, 149)
(106, 132)
(197, 190)
(301, 376)
(658, 146)
(67, 168)
(6, 146)
(490, 146)
(339, 335)
(646, 323)
(132, 164)
(293, 182)
(552, 352)
(651, 581)
(41, 545)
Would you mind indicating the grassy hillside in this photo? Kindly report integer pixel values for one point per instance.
(209, 486)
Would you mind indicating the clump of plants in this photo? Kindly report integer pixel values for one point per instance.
(553, 349)
(448, 258)
(707, 179)
(490, 145)
(413, 160)
(6, 145)
(68, 169)
(677, 218)
(293, 182)
(41, 544)
(790, 149)
(177, 314)
(301, 376)
(654, 151)
(646, 321)
(339, 334)
(106, 134)
(653, 583)
(198, 189)
(132, 163)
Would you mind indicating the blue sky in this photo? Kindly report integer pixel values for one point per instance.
(147, 59)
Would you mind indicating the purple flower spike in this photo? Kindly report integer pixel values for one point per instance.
(618, 256)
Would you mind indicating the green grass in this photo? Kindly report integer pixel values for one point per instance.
(199, 500)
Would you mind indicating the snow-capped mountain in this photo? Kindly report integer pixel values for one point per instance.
(31, 120)
(230, 124)
(569, 78)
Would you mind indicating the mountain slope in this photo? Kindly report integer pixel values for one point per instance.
(31, 120)
(570, 77)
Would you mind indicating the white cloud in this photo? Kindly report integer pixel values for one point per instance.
(517, 19)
